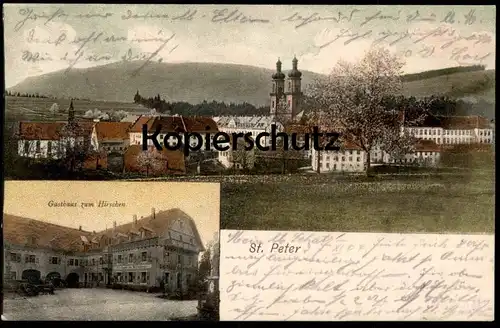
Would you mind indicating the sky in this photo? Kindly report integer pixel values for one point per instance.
(40, 39)
(30, 199)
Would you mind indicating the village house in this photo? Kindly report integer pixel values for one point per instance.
(164, 245)
(176, 124)
(110, 136)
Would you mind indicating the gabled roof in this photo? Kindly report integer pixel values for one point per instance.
(52, 130)
(17, 230)
(107, 131)
(41, 130)
(141, 120)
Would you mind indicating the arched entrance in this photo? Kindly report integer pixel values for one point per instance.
(33, 276)
(55, 278)
(72, 280)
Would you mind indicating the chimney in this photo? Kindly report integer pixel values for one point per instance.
(135, 220)
(80, 228)
(153, 213)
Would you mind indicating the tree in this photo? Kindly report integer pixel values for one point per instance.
(54, 109)
(353, 98)
(242, 156)
(150, 160)
(117, 116)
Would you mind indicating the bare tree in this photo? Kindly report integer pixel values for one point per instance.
(150, 160)
(352, 98)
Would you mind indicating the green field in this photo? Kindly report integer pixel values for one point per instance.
(37, 109)
(446, 203)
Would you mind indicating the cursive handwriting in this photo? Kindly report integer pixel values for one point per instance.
(304, 20)
(309, 276)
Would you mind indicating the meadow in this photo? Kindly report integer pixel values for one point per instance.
(453, 203)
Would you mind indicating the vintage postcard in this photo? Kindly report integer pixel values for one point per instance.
(320, 120)
(110, 251)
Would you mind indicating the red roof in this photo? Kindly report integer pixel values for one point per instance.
(179, 124)
(141, 120)
(41, 130)
(52, 130)
(112, 130)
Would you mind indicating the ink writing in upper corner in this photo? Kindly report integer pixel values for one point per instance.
(162, 46)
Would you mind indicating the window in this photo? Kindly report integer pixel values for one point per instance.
(143, 277)
(54, 260)
(93, 261)
(100, 260)
(144, 256)
(15, 257)
(26, 147)
(425, 132)
(180, 237)
(70, 262)
(343, 159)
(49, 147)
(130, 277)
(327, 165)
(179, 259)
(359, 152)
(120, 259)
(38, 146)
(358, 159)
(131, 258)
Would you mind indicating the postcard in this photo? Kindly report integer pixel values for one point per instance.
(85, 251)
(370, 124)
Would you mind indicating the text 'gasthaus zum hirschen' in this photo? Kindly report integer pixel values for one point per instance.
(269, 275)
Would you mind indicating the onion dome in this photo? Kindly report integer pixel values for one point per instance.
(279, 74)
(294, 73)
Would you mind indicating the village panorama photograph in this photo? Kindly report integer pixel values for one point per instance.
(109, 251)
(411, 91)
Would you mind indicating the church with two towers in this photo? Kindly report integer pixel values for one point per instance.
(286, 89)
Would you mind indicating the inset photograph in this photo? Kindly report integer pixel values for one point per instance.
(111, 251)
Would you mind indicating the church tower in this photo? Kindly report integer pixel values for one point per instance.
(278, 90)
(293, 91)
(71, 113)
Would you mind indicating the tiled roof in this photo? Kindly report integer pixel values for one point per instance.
(52, 130)
(112, 130)
(18, 231)
(455, 122)
(245, 122)
(41, 130)
(141, 120)
(200, 124)
(175, 161)
(157, 224)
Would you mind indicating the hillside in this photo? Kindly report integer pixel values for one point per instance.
(190, 82)
(196, 82)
